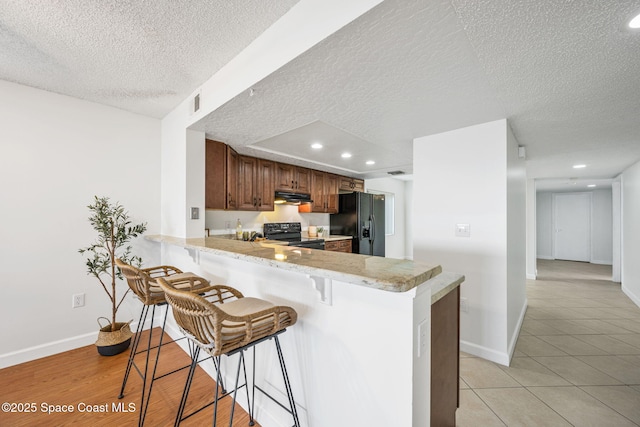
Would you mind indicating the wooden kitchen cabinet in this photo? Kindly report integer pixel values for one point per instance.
(255, 184)
(221, 176)
(445, 359)
(351, 184)
(324, 192)
(338, 245)
(292, 178)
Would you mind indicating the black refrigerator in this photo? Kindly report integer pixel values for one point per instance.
(361, 215)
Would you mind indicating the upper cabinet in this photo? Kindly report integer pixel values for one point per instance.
(244, 183)
(324, 192)
(351, 184)
(293, 178)
(255, 184)
(221, 176)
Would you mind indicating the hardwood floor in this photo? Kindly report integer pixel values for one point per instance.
(83, 380)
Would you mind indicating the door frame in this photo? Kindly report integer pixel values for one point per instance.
(554, 226)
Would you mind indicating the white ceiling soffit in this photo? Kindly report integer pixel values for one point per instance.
(573, 184)
(143, 56)
(403, 70)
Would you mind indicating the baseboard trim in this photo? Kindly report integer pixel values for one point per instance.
(485, 352)
(60, 346)
(545, 257)
(531, 276)
(516, 332)
(601, 262)
(635, 298)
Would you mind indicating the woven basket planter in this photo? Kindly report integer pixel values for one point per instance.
(111, 343)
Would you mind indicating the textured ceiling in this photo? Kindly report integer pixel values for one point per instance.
(403, 70)
(141, 56)
(564, 72)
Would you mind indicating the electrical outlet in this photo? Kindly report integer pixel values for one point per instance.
(77, 301)
(195, 213)
(423, 340)
(464, 305)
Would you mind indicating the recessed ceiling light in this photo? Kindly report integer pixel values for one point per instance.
(635, 22)
(371, 162)
(346, 155)
(591, 185)
(579, 166)
(316, 146)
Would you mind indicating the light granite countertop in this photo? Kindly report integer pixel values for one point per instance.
(388, 274)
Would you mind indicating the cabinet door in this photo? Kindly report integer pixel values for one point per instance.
(317, 192)
(303, 180)
(247, 198)
(215, 188)
(331, 193)
(231, 186)
(358, 185)
(265, 184)
(284, 179)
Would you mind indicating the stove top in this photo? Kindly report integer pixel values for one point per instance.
(290, 232)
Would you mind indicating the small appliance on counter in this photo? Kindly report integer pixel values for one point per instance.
(290, 232)
(361, 216)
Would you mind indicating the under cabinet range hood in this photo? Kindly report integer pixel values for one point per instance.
(288, 198)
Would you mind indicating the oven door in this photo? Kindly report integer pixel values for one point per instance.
(311, 244)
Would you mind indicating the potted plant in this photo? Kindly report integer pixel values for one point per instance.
(112, 223)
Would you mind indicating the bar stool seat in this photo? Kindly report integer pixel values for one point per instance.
(142, 281)
(224, 322)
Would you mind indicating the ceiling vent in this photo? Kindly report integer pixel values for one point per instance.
(196, 103)
(396, 173)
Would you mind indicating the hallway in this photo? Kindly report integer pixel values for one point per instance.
(577, 360)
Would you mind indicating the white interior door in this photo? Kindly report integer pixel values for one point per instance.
(572, 215)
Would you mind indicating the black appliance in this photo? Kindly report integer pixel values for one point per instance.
(285, 197)
(290, 232)
(361, 215)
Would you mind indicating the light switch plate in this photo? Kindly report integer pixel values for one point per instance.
(195, 213)
(463, 230)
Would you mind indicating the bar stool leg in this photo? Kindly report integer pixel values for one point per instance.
(143, 412)
(134, 348)
(146, 369)
(195, 352)
(287, 384)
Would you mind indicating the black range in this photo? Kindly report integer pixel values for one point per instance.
(290, 232)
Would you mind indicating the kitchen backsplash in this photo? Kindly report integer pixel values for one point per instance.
(224, 222)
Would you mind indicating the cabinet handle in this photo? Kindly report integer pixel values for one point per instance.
(259, 201)
(254, 202)
(292, 186)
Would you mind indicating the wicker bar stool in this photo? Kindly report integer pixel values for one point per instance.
(224, 322)
(143, 283)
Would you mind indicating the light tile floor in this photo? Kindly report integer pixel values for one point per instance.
(576, 362)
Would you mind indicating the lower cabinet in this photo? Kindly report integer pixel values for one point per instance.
(445, 359)
(338, 245)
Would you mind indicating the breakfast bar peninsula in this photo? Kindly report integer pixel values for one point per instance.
(376, 341)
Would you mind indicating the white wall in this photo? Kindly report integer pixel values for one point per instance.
(408, 219)
(544, 224)
(516, 240)
(631, 232)
(462, 177)
(601, 226)
(253, 221)
(394, 244)
(531, 230)
(56, 153)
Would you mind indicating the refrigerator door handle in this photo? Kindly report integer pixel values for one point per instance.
(373, 228)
